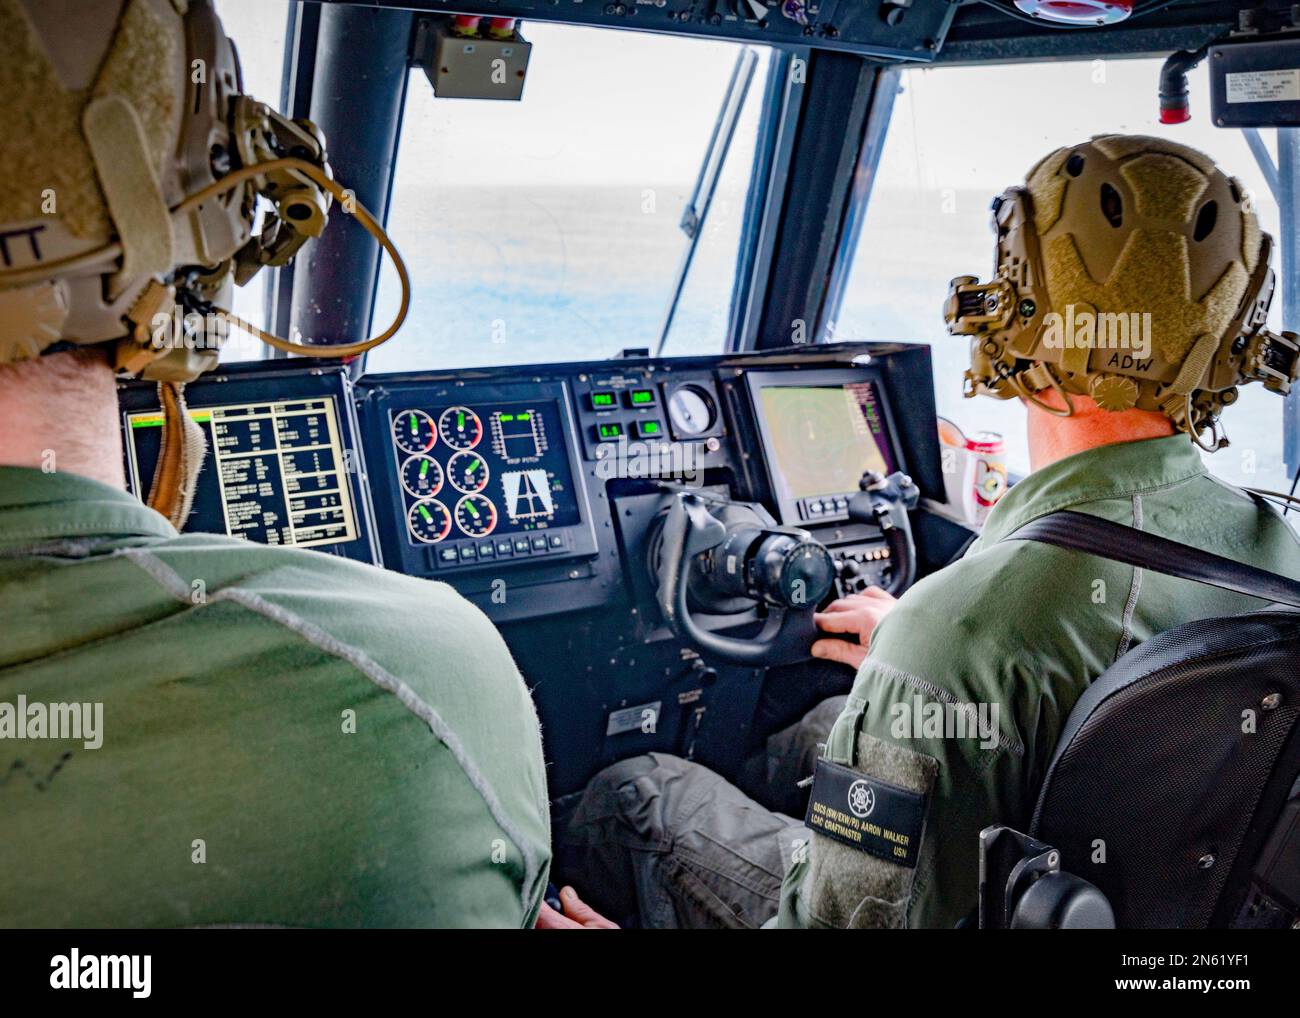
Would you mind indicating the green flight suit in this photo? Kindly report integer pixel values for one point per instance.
(1022, 627)
(287, 737)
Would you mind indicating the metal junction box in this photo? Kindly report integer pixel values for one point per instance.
(1256, 84)
(477, 67)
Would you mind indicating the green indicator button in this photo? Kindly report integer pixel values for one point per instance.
(611, 430)
(649, 429)
(641, 397)
(601, 400)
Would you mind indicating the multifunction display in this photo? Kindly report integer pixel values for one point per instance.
(275, 471)
(819, 438)
(484, 472)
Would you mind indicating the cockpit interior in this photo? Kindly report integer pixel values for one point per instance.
(673, 372)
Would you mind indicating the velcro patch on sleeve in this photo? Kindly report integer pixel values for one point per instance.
(865, 813)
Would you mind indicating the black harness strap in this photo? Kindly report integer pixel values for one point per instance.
(1120, 543)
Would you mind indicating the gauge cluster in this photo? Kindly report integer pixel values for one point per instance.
(621, 409)
(480, 475)
(486, 481)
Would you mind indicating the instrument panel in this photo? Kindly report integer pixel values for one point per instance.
(281, 467)
(538, 492)
(528, 487)
(476, 477)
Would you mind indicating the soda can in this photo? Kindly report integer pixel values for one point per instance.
(974, 470)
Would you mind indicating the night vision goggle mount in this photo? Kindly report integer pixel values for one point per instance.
(1007, 318)
(273, 158)
(301, 206)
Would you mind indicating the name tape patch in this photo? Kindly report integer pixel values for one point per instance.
(865, 813)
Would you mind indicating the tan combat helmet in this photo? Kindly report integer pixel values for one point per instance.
(1129, 269)
(132, 165)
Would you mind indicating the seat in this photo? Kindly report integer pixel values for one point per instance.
(1172, 799)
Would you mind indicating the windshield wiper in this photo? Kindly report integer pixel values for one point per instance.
(715, 157)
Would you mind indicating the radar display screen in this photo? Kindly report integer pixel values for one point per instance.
(821, 438)
(482, 470)
(275, 472)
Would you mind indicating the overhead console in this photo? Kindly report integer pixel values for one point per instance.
(896, 29)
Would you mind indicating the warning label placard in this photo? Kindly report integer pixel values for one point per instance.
(1281, 85)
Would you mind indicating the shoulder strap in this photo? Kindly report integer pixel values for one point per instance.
(1119, 543)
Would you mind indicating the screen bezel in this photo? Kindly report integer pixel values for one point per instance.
(379, 395)
(787, 506)
(269, 383)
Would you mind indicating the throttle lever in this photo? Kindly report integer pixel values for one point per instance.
(884, 502)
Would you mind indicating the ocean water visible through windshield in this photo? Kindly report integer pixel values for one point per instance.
(549, 229)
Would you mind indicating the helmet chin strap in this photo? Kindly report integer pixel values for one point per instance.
(179, 459)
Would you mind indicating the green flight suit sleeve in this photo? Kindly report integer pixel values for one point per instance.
(942, 707)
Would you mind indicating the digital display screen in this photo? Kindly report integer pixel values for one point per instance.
(470, 471)
(275, 472)
(824, 437)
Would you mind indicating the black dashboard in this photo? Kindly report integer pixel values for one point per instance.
(538, 492)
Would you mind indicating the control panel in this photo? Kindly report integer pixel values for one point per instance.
(650, 535)
(898, 29)
(547, 480)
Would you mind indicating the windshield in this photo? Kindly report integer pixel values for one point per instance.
(258, 34)
(549, 229)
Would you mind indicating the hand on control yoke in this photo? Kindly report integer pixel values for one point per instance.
(857, 615)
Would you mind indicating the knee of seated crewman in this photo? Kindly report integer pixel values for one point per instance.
(619, 825)
(678, 843)
(639, 802)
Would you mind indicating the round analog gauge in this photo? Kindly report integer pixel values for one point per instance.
(460, 427)
(468, 472)
(476, 515)
(422, 476)
(691, 410)
(429, 521)
(413, 431)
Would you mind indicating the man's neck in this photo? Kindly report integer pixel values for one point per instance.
(1054, 438)
(59, 414)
